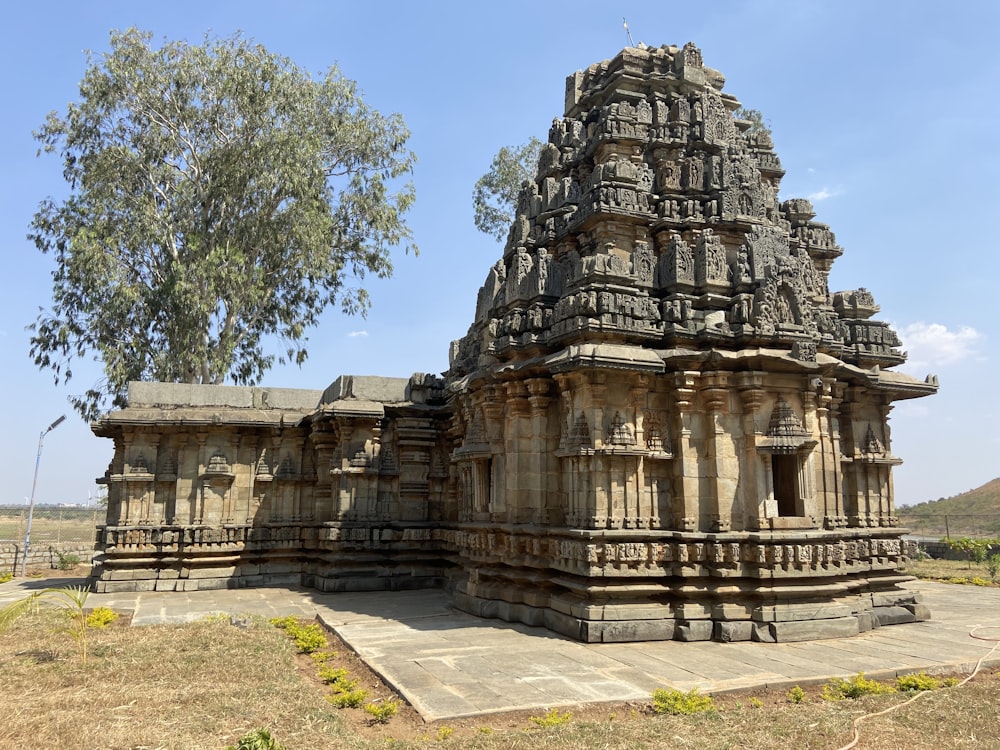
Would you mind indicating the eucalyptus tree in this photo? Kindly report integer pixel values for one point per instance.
(494, 198)
(220, 199)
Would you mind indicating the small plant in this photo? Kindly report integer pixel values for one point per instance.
(258, 739)
(308, 638)
(331, 675)
(71, 599)
(755, 702)
(485, 730)
(949, 682)
(975, 550)
(382, 712)
(552, 718)
(681, 704)
(444, 733)
(8, 576)
(855, 687)
(349, 699)
(915, 683)
(101, 617)
(67, 561)
(796, 695)
(323, 656)
(992, 565)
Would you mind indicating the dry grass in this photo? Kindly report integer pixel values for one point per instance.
(943, 570)
(73, 525)
(204, 684)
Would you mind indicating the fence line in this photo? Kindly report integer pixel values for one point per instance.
(951, 525)
(50, 525)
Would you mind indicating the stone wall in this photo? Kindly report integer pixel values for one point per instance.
(43, 555)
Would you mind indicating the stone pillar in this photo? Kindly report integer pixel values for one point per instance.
(416, 439)
(522, 503)
(754, 483)
(540, 449)
(836, 470)
(720, 460)
(687, 505)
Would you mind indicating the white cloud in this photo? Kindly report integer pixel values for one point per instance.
(934, 345)
(355, 334)
(823, 193)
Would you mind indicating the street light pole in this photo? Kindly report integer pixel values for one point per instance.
(34, 484)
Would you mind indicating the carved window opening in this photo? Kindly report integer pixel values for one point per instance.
(785, 480)
(482, 498)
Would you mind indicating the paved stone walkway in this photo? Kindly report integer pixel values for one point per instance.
(448, 664)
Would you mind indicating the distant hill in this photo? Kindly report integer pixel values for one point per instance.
(974, 513)
(983, 500)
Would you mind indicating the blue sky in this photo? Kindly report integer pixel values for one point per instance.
(883, 113)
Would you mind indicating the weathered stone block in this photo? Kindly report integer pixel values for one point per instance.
(226, 572)
(896, 598)
(731, 611)
(693, 611)
(635, 630)
(762, 632)
(695, 630)
(794, 612)
(730, 631)
(813, 630)
(893, 615)
(921, 612)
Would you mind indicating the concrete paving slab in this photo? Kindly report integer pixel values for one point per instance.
(449, 664)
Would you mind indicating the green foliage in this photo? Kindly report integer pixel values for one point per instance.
(993, 566)
(494, 199)
(101, 617)
(67, 560)
(221, 199)
(308, 638)
(975, 550)
(258, 739)
(322, 656)
(756, 120)
(444, 733)
(855, 687)
(680, 703)
(8, 576)
(331, 675)
(949, 682)
(552, 718)
(914, 683)
(755, 702)
(796, 695)
(70, 599)
(382, 712)
(349, 698)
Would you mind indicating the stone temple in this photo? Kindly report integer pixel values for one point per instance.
(661, 424)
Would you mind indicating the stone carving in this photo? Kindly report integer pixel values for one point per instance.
(657, 391)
